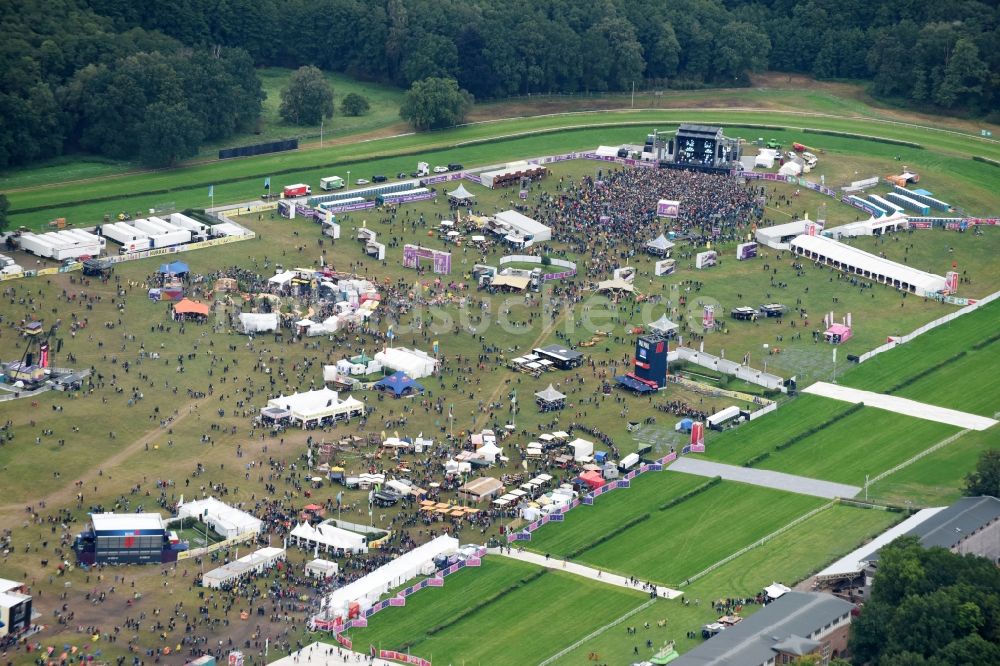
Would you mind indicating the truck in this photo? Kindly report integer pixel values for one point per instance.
(297, 190)
(331, 183)
(423, 169)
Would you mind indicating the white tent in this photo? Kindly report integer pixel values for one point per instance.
(327, 537)
(281, 279)
(226, 520)
(776, 590)
(766, 157)
(461, 194)
(663, 325)
(550, 394)
(524, 227)
(367, 591)
(606, 151)
(616, 284)
(249, 565)
(258, 322)
(413, 362)
(858, 262)
(659, 244)
(490, 451)
(320, 568)
(319, 405)
(790, 169)
(582, 449)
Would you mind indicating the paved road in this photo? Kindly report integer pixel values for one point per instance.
(323, 654)
(581, 570)
(764, 477)
(920, 410)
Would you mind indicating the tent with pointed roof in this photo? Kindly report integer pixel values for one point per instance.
(659, 246)
(550, 399)
(188, 308)
(400, 384)
(174, 268)
(460, 194)
(664, 325)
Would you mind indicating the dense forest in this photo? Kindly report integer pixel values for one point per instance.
(152, 79)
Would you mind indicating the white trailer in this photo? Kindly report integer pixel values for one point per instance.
(153, 226)
(38, 245)
(81, 236)
(59, 247)
(194, 226)
(171, 238)
(130, 238)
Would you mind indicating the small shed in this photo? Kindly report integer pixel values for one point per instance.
(320, 568)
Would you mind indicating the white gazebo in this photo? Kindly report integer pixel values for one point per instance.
(460, 194)
(318, 407)
(664, 326)
(659, 246)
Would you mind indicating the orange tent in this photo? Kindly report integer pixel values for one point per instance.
(187, 306)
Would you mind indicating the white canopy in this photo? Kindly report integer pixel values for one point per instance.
(550, 394)
(853, 260)
(582, 449)
(776, 590)
(282, 278)
(663, 325)
(328, 537)
(367, 590)
(412, 362)
(461, 193)
(616, 284)
(258, 322)
(659, 243)
(317, 405)
(224, 519)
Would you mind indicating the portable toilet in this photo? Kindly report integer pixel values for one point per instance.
(601, 457)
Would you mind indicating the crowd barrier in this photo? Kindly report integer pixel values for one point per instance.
(524, 534)
(532, 259)
(970, 306)
(198, 552)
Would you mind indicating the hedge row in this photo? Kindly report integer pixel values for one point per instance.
(923, 373)
(866, 137)
(757, 459)
(482, 603)
(608, 537)
(986, 160)
(825, 424)
(987, 342)
(715, 480)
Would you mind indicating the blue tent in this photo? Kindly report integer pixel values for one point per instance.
(174, 268)
(400, 384)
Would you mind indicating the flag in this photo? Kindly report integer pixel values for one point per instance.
(390, 334)
(834, 354)
(746, 359)
(436, 347)
(513, 399)
(340, 497)
(267, 183)
(451, 413)
(211, 191)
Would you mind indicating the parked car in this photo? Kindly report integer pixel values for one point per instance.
(379, 179)
(401, 175)
(361, 181)
(440, 169)
(454, 166)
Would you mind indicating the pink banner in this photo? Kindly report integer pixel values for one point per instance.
(435, 582)
(344, 640)
(397, 601)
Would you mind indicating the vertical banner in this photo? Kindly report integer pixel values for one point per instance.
(697, 437)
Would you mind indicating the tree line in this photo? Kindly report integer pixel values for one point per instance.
(58, 54)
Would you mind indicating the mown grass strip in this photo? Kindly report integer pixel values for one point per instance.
(475, 608)
(926, 371)
(986, 160)
(816, 428)
(607, 537)
(714, 481)
(864, 137)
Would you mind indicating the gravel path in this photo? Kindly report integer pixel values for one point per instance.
(764, 477)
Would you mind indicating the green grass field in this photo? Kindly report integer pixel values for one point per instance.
(584, 524)
(681, 541)
(937, 479)
(970, 384)
(487, 143)
(888, 369)
(869, 441)
(536, 613)
(788, 558)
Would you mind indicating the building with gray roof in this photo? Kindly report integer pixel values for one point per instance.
(797, 624)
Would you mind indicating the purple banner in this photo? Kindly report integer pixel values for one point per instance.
(432, 180)
(471, 177)
(624, 483)
(557, 517)
(407, 198)
(359, 622)
(347, 208)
